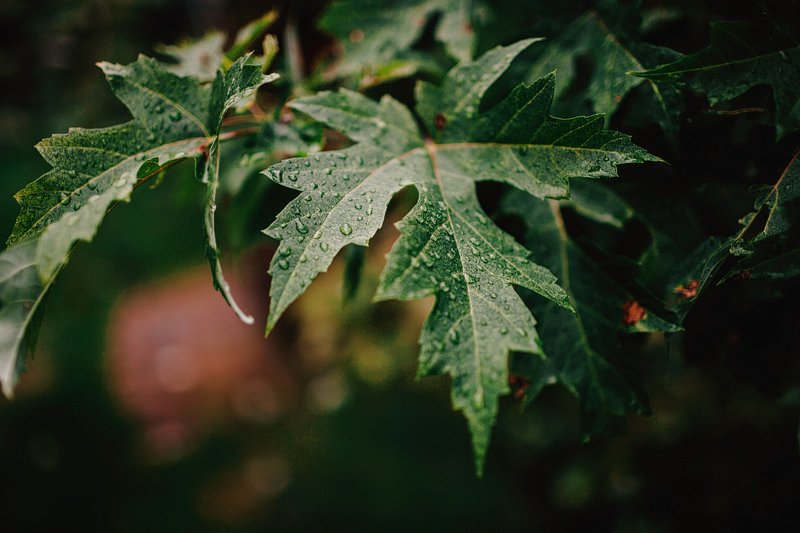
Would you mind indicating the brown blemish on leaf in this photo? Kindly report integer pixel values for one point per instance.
(356, 36)
(439, 121)
(519, 385)
(689, 291)
(632, 312)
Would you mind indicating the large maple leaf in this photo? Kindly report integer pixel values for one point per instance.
(448, 248)
(174, 117)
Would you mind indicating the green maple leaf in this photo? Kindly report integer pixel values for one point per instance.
(580, 344)
(377, 32)
(93, 169)
(448, 248)
(740, 56)
(605, 37)
(774, 252)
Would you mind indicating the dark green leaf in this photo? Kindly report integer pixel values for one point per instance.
(740, 56)
(448, 248)
(579, 345)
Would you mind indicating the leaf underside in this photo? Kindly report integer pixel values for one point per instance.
(174, 117)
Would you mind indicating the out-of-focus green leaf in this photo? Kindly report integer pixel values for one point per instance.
(375, 33)
(740, 56)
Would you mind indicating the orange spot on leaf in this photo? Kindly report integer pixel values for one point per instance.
(632, 312)
(689, 291)
(518, 385)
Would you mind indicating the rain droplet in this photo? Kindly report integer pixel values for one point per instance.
(302, 228)
(346, 229)
(303, 258)
(175, 116)
(284, 264)
(285, 251)
(454, 336)
(323, 246)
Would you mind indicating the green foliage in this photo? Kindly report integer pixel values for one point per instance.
(448, 246)
(377, 33)
(774, 251)
(173, 118)
(740, 56)
(483, 120)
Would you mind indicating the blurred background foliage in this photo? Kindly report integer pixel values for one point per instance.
(148, 407)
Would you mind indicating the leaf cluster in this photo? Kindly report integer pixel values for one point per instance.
(538, 277)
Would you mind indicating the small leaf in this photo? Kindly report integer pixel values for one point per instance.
(774, 251)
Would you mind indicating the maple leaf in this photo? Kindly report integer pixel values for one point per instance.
(606, 36)
(376, 32)
(740, 56)
(93, 169)
(774, 252)
(448, 247)
(579, 345)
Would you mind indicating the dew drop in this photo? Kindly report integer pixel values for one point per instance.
(285, 251)
(346, 229)
(303, 258)
(302, 228)
(454, 336)
(324, 246)
(175, 116)
(284, 264)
